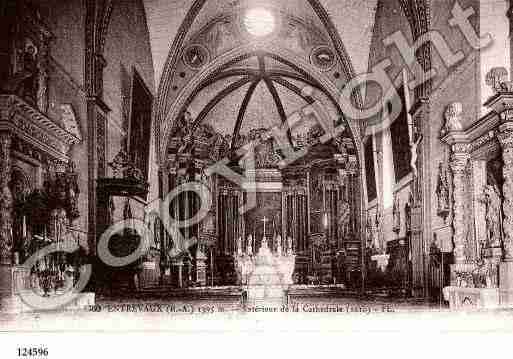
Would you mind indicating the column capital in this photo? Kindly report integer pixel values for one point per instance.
(505, 135)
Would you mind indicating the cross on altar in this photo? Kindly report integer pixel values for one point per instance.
(265, 220)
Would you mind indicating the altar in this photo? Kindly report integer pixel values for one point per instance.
(266, 276)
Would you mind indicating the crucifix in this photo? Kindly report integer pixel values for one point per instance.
(265, 220)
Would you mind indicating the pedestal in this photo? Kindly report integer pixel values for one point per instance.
(506, 284)
(472, 298)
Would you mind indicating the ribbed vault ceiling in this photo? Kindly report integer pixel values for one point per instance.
(353, 20)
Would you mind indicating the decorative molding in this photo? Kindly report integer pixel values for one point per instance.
(34, 127)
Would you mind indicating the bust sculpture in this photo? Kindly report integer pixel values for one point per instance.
(453, 115)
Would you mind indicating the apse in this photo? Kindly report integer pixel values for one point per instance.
(240, 78)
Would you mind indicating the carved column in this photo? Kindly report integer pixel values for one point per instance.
(506, 139)
(459, 163)
(6, 202)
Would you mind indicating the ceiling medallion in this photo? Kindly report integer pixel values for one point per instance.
(323, 58)
(196, 56)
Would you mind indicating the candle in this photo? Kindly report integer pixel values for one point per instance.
(24, 227)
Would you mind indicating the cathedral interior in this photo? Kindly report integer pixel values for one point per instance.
(355, 148)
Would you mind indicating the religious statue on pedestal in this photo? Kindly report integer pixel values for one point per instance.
(492, 200)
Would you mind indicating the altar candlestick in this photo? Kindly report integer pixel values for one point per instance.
(24, 226)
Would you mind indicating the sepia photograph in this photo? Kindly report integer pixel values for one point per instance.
(246, 166)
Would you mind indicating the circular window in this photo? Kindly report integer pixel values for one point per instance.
(259, 22)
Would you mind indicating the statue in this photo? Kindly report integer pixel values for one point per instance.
(414, 156)
(397, 215)
(344, 219)
(442, 192)
(492, 200)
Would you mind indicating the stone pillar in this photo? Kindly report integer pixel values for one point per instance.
(6, 201)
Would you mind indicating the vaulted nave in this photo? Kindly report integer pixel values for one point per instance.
(256, 153)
